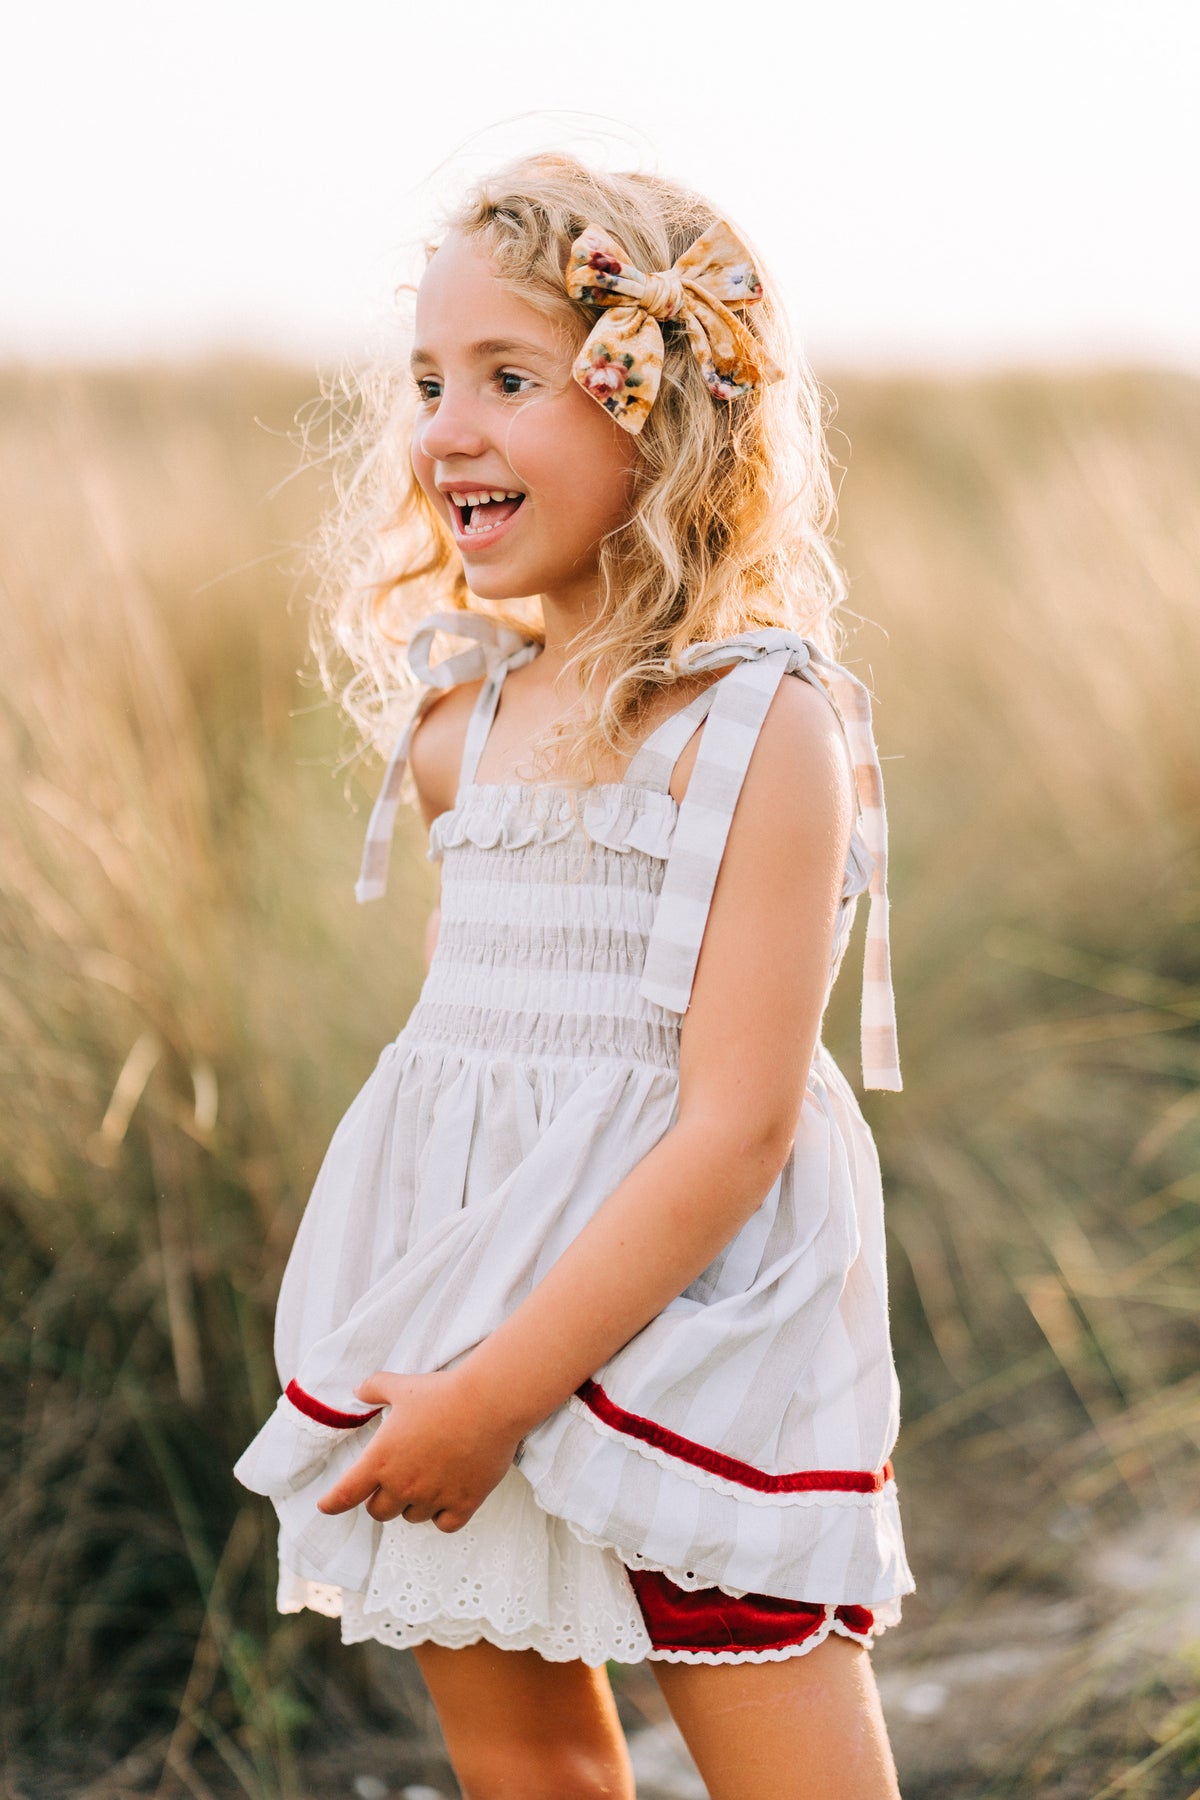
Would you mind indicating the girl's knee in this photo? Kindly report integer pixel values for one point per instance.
(556, 1772)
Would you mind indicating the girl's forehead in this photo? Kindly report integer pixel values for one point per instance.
(463, 295)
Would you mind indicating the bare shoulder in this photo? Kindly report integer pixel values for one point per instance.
(798, 799)
(436, 750)
(804, 756)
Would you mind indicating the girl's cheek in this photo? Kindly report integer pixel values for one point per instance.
(567, 450)
(533, 448)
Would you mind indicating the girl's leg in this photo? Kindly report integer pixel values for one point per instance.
(520, 1728)
(807, 1728)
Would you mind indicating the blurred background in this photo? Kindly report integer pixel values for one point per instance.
(984, 223)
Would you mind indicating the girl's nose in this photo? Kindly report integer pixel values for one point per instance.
(453, 428)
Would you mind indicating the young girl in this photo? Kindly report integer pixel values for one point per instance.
(584, 1336)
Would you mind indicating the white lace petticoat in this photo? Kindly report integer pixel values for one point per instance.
(516, 1577)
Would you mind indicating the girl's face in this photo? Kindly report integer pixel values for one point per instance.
(499, 415)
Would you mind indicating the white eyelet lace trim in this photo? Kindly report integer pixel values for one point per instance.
(361, 1626)
(514, 1576)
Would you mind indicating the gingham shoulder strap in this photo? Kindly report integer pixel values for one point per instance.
(735, 718)
(495, 650)
(654, 761)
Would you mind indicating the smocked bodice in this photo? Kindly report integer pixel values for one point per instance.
(545, 923)
(575, 929)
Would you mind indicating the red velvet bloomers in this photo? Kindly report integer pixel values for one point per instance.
(687, 1624)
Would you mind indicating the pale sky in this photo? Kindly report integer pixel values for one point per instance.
(937, 182)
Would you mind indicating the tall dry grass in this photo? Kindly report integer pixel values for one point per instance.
(1031, 548)
(190, 997)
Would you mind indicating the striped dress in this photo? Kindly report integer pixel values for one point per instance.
(742, 1439)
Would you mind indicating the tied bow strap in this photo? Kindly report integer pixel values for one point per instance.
(852, 703)
(494, 644)
(620, 365)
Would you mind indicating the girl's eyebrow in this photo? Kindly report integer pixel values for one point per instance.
(487, 347)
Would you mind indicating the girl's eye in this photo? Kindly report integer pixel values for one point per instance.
(511, 384)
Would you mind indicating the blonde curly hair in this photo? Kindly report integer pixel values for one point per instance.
(733, 502)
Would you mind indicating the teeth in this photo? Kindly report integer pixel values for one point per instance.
(481, 499)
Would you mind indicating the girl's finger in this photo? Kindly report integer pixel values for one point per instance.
(371, 1391)
(350, 1491)
(383, 1506)
(415, 1513)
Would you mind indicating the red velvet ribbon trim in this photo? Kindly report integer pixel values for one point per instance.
(707, 1619)
(326, 1415)
(805, 1481)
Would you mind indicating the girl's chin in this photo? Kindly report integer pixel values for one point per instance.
(490, 584)
(490, 580)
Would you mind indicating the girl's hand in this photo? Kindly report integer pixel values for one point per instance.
(437, 1455)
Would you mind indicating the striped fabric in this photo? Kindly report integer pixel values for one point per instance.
(705, 818)
(735, 707)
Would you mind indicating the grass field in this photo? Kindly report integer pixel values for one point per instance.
(190, 997)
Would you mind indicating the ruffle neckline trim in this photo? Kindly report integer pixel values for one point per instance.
(621, 816)
(512, 814)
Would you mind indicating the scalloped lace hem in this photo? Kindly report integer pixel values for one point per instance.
(456, 1634)
(601, 1637)
(361, 1625)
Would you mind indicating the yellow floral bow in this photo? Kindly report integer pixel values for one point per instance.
(621, 363)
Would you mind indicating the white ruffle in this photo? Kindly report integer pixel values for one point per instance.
(509, 815)
(701, 1535)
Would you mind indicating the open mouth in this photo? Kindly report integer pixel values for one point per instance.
(485, 510)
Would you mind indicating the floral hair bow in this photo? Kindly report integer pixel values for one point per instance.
(621, 363)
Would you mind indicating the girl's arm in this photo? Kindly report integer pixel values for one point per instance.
(747, 1043)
